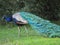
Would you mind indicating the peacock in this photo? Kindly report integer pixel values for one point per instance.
(40, 25)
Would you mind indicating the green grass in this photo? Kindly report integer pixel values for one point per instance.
(9, 36)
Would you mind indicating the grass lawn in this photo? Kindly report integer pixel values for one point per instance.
(9, 36)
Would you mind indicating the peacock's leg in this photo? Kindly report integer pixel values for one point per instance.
(26, 30)
(18, 31)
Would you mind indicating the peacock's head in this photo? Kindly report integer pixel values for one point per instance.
(7, 18)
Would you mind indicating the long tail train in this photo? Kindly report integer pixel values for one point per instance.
(44, 27)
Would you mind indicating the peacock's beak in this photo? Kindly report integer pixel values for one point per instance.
(2, 18)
